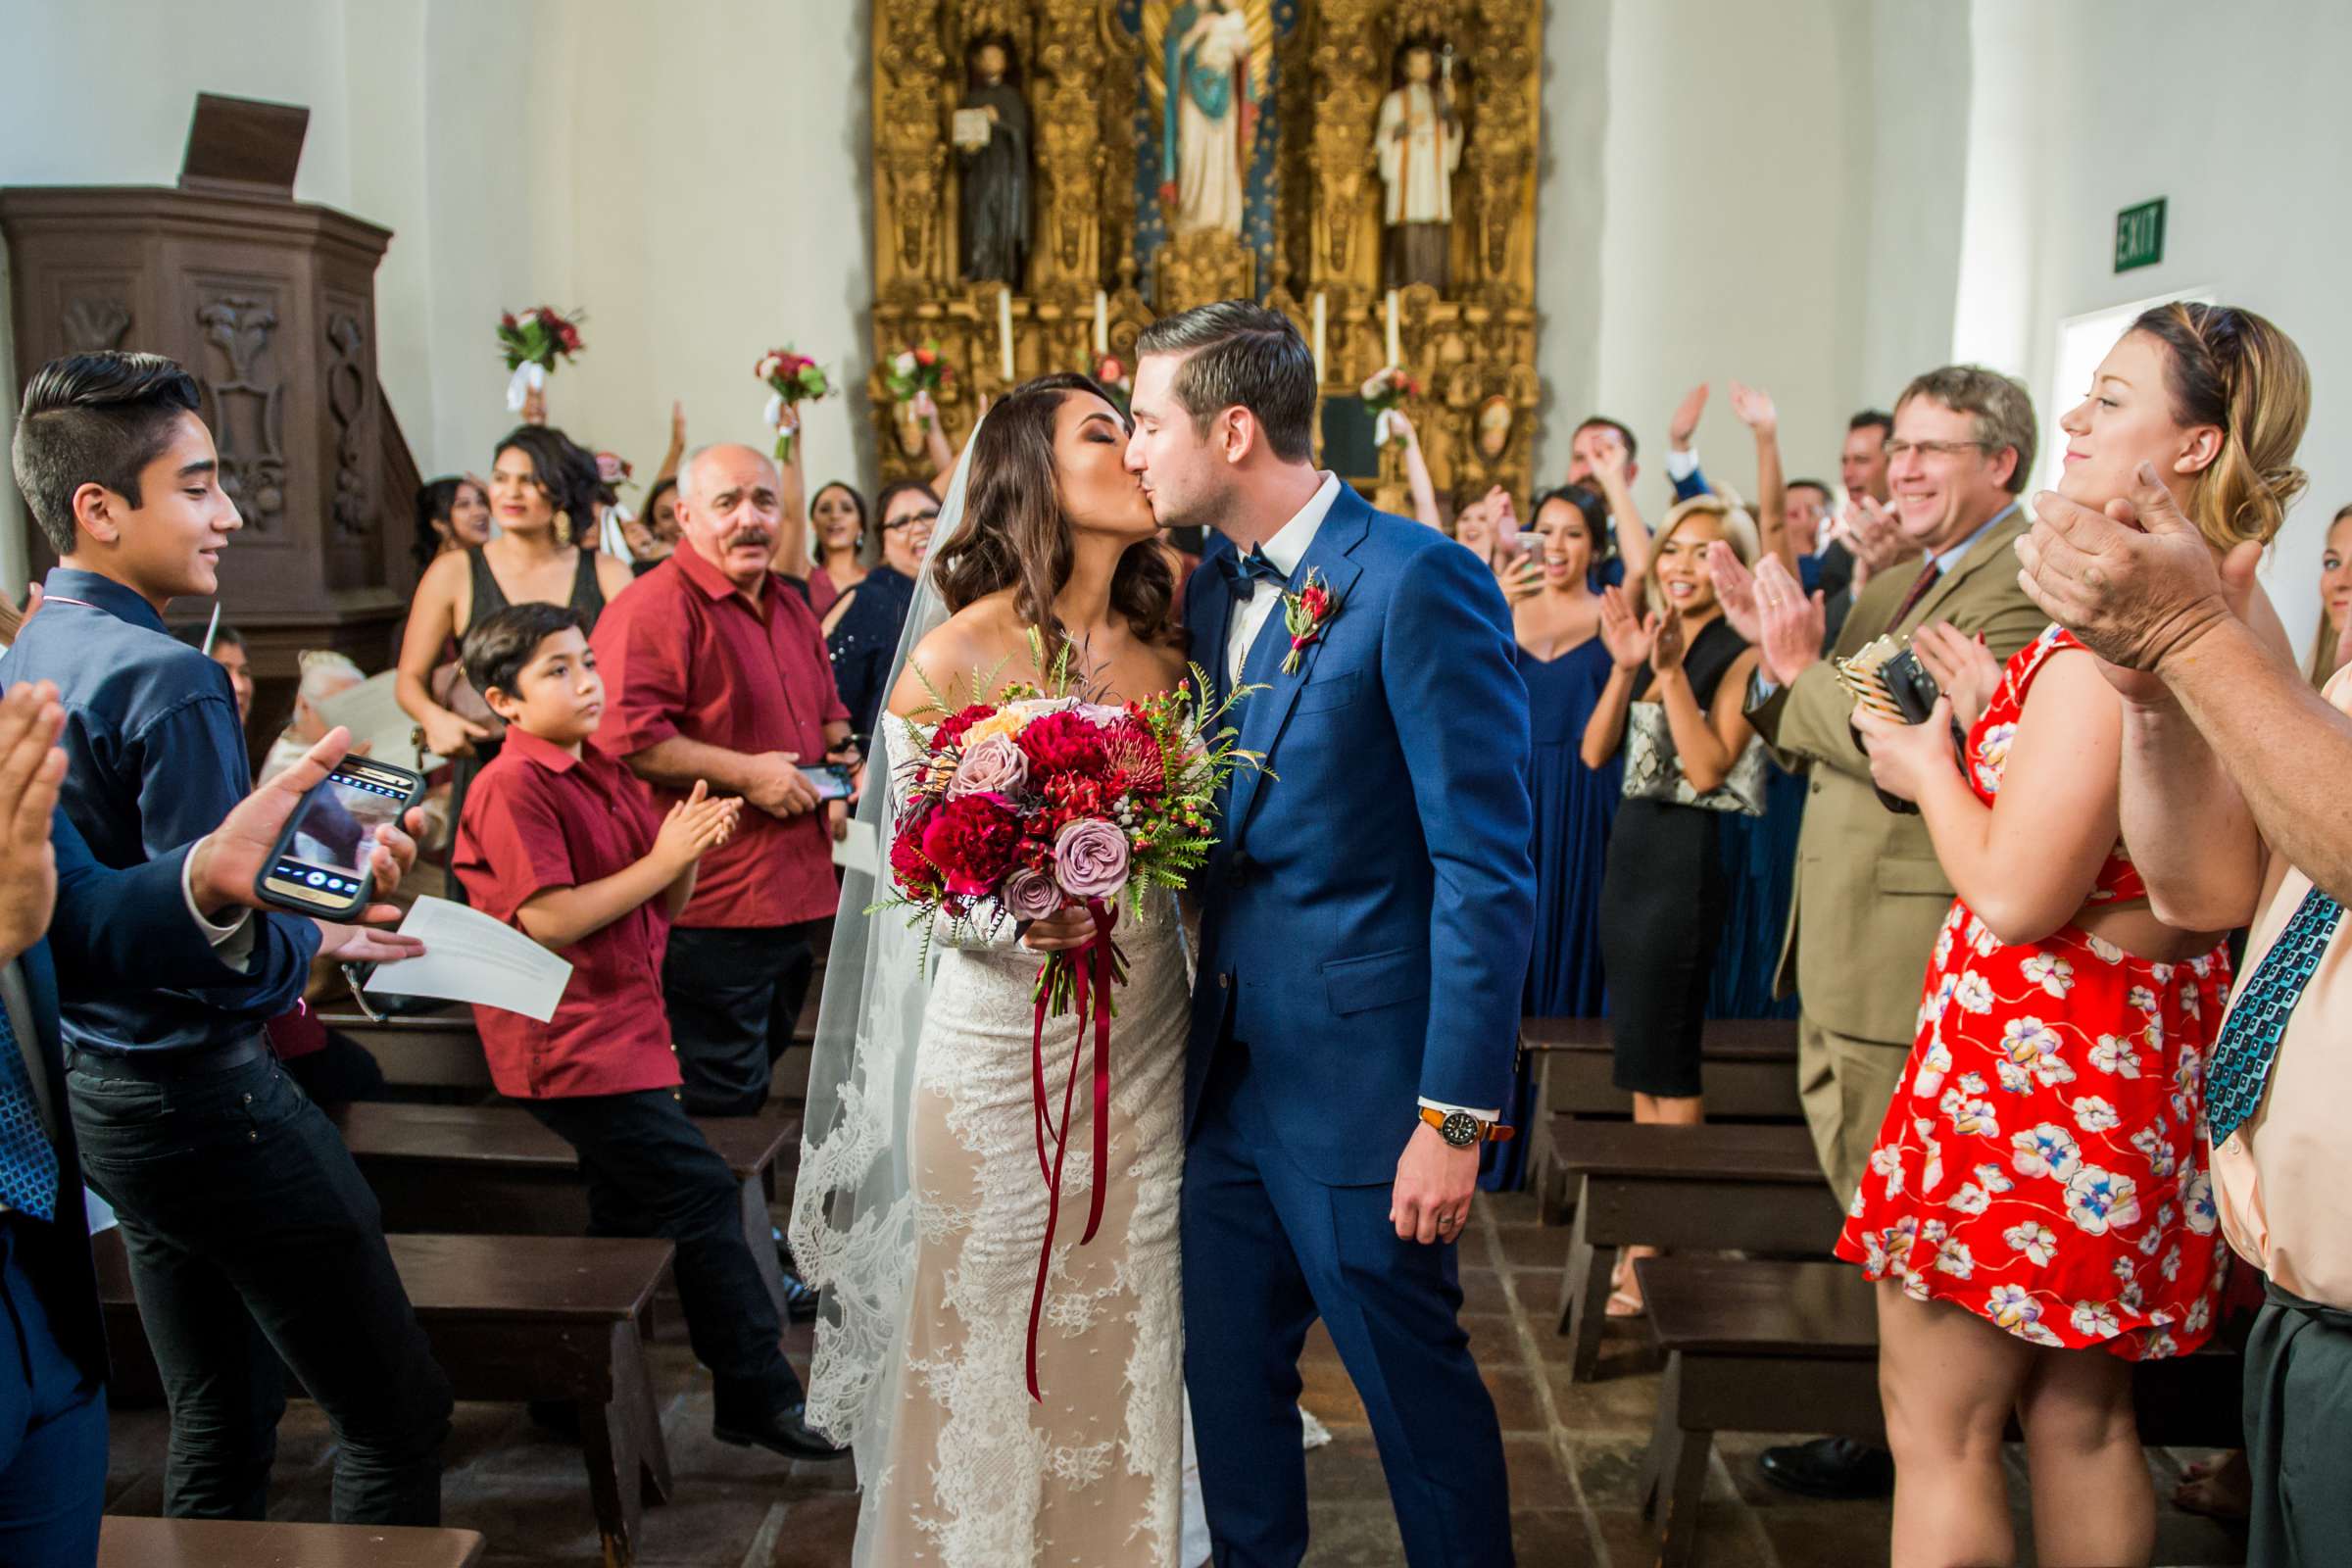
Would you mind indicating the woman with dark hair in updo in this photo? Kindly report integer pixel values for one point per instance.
(453, 513)
(544, 492)
(862, 628)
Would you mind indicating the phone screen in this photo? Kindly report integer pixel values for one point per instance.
(831, 780)
(334, 830)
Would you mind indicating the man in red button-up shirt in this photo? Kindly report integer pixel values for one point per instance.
(717, 670)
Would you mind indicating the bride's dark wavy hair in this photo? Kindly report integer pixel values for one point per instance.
(1016, 534)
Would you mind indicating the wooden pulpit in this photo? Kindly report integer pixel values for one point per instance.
(270, 304)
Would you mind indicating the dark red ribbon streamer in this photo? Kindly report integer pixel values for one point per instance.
(1095, 968)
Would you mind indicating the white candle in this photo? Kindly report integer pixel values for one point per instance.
(1005, 332)
(1395, 343)
(1319, 319)
(1102, 325)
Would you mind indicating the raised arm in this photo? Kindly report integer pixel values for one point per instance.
(1417, 473)
(1707, 741)
(1610, 471)
(1756, 411)
(936, 450)
(676, 453)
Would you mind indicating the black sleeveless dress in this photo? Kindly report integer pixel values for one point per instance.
(587, 597)
(1662, 896)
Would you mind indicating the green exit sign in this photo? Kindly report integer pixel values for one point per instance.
(2139, 235)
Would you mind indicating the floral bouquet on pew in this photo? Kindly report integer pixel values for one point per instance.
(1385, 392)
(1043, 802)
(792, 378)
(531, 344)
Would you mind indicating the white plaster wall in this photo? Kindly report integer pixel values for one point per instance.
(2118, 101)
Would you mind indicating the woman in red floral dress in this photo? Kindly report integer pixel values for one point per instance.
(2039, 1166)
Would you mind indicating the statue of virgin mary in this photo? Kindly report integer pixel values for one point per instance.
(1210, 102)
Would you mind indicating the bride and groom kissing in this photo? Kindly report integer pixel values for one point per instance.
(1298, 1093)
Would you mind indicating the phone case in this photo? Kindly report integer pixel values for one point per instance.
(324, 894)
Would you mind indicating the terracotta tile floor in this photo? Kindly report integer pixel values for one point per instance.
(1573, 1451)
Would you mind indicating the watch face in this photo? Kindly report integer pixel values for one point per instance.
(1460, 1129)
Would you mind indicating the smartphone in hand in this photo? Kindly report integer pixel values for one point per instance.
(319, 865)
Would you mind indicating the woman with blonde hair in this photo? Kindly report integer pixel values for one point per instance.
(2036, 1213)
(1675, 706)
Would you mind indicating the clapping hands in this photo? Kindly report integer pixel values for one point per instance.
(1630, 640)
(1964, 668)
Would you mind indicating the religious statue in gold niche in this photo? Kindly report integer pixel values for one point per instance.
(1420, 146)
(1213, 62)
(991, 133)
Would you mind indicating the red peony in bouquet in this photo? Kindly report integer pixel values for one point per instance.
(531, 343)
(1022, 809)
(916, 370)
(792, 379)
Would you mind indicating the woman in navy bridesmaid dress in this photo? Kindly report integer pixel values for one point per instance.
(1565, 665)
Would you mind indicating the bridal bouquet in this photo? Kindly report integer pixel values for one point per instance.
(1384, 394)
(792, 379)
(531, 344)
(918, 371)
(1043, 802)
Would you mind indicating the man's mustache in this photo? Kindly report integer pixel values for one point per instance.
(750, 536)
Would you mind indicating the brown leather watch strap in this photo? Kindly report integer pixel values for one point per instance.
(1488, 1132)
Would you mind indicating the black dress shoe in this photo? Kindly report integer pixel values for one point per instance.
(777, 1428)
(1839, 1469)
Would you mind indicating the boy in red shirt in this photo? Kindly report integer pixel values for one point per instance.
(565, 845)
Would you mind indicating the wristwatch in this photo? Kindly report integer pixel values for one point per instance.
(1462, 1130)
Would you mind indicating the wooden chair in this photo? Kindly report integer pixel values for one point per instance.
(1767, 1347)
(495, 1170)
(1747, 1072)
(510, 1318)
(128, 1543)
(1720, 1186)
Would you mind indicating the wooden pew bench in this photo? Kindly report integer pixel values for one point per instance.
(1720, 1186)
(431, 1050)
(495, 1170)
(1768, 1347)
(1747, 1072)
(510, 1318)
(128, 1543)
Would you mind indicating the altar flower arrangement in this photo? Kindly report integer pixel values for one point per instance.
(531, 344)
(918, 371)
(1385, 391)
(1112, 375)
(792, 378)
(1043, 801)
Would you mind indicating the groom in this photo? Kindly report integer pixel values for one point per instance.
(1364, 939)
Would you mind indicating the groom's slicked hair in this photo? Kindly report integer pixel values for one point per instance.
(1240, 354)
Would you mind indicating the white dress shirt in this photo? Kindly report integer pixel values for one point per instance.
(1254, 602)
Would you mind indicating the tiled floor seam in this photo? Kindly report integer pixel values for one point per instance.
(1531, 1355)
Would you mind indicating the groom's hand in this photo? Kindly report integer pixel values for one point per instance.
(1430, 1202)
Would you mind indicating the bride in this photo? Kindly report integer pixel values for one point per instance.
(921, 1211)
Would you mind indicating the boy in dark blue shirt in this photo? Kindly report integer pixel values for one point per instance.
(251, 1235)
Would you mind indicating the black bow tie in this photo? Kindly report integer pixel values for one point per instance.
(1246, 572)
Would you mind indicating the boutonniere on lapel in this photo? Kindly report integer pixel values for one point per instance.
(1305, 615)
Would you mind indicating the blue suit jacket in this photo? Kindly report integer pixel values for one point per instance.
(1366, 912)
(111, 930)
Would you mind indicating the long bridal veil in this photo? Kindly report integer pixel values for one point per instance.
(853, 1217)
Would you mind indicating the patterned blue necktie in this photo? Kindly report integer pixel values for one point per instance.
(2250, 1036)
(28, 1159)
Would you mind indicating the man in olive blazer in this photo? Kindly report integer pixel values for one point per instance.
(1869, 894)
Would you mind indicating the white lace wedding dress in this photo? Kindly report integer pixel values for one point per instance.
(973, 1474)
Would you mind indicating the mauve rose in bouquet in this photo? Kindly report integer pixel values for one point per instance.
(792, 378)
(531, 343)
(1023, 808)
